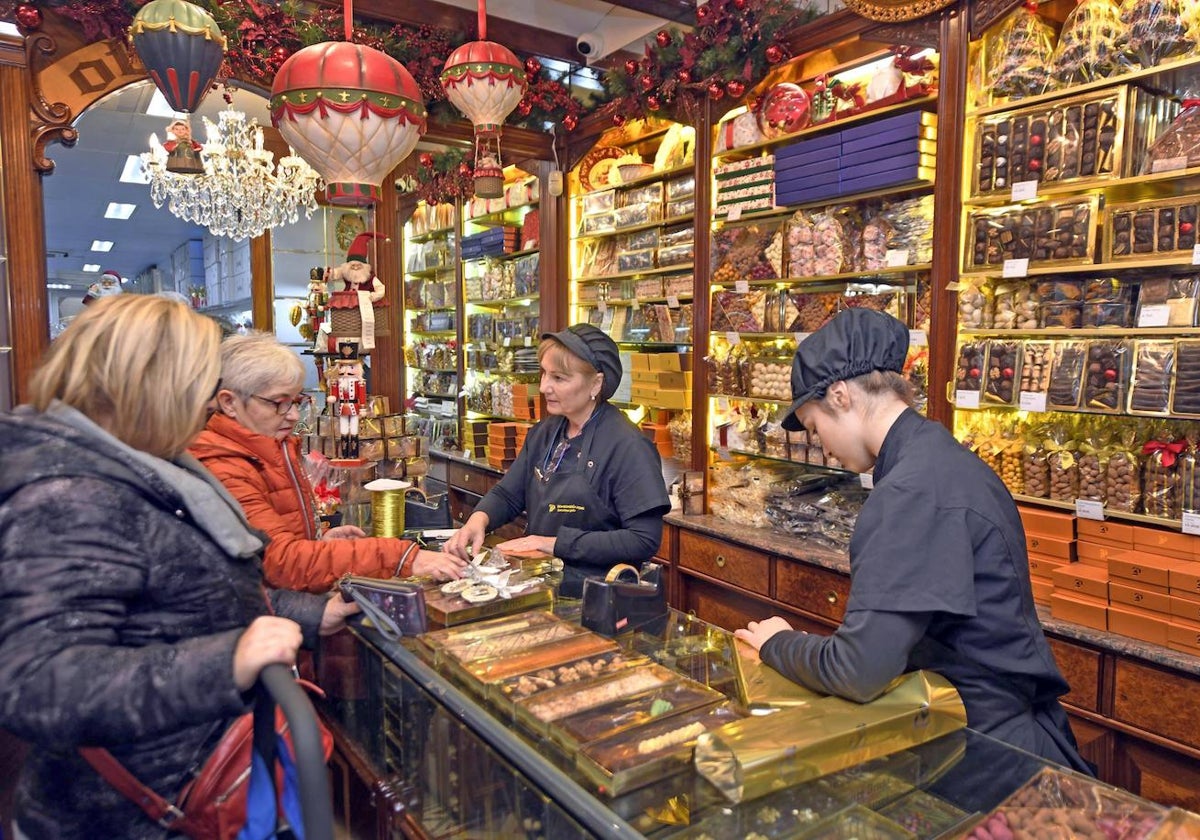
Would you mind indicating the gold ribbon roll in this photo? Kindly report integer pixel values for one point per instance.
(387, 506)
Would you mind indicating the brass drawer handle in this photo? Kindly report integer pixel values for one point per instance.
(720, 561)
(831, 597)
(467, 478)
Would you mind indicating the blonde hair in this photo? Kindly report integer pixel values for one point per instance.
(562, 360)
(255, 362)
(141, 366)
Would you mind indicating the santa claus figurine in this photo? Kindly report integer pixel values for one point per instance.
(348, 399)
(353, 290)
(108, 284)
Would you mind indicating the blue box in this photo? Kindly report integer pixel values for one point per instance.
(824, 158)
(909, 119)
(810, 144)
(796, 179)
(801, 195)
(900, 147)
(884, 164)
(888, 178)
(887, 138)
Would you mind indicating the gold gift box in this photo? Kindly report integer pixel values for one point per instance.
(371, 450)
(448, 610)
(752, 757)
(393, 425)
(370, 428)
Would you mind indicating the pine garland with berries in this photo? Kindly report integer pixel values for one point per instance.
(730, 49)
(445, 176)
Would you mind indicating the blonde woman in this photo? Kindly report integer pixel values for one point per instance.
(132, 611)
(248, 444)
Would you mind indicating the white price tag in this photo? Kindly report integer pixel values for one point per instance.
(741, 286)
(507, 341)
(735, 213)
(1196, 255)
(917, 338)
(1089, 509)
(528, 341)
(1024, 190)
(895, 257)
(1191, 523)
(800, 337)
(1032, 401)
(1169, 164)
(866, 480)
(672, 301)
(966, 399)
(1016, 268)
(733, 337)
(1154, 315)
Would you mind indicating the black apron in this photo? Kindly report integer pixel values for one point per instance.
(565, 498)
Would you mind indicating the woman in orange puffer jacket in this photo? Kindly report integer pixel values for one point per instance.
(248, 444)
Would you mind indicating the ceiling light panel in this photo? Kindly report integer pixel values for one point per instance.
(102, 245)
(116, 210)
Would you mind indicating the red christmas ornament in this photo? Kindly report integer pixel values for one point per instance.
(570, 121)
(684, 76)
(618, 120)
(663, 38)
(715, 91)
(774, 54)
(631, 66)
(523, 108)
(735, 88)
(426, 159)
(653, 102)
(703, 13)
(464, 169)
(646, 82)
(1110, 374)
(532, 67)
(29, 17)
(739, 4)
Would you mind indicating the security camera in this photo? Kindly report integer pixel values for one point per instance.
(589, 45)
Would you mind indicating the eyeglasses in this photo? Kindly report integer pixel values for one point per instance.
(553, 461)
(286, 404)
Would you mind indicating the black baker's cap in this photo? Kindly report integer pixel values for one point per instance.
(855, 342)
(597, 349)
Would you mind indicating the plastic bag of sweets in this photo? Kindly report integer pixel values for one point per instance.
(1087, 45)
(974, 310)
(1093, 462)
(1122, 477)
(1189, 477)
(1160, 472)
(1035, 465)
(1063, 462)
(1020, 52)
(1012, 459)
(1157, 30)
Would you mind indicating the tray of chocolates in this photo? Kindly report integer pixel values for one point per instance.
(621, 715)
(1163, 231)
(1066, 374)
(1049, 233)
(1036, 358)
(541, 709)
(1106, 378)
(969, 369)
(532, 683)
(1153, 372)
(1186, 398)
(533, 657)
(1077, 139)
(1004, 361)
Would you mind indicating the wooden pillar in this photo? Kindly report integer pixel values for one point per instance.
(24, 230)
(385, 358)
(553, 263)
(701, 277)
(262, 283)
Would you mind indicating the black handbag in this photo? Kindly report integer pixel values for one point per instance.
(615, 604)
(423, 512)
(395, 609)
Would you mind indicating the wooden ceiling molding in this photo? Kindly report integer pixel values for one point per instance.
(986, 12)
(896, 11)
(924, 32)
(672, 10)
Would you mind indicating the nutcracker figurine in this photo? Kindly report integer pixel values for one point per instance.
(348, 399)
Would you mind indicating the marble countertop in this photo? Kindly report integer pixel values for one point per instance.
(467, 460)
(783, 545)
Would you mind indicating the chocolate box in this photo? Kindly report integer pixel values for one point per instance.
(803, 170)
(885, 137)
(1166, 543)
(1184, 608)
(1089, 612)
(1050, 547)
(1137, 624)
(1139, 597)
(1150, 570)
(1116, 534)
(910, 160)
(1095, 554)
(799, 195)
(1184, 578)
(911, 120)
(1041, 566)
(1048, 523)
(1163, 230)
(1076, 579)
(809, 145)
(1184, 636)
(1048, 233)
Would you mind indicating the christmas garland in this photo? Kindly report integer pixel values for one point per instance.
(730, 49)
(262, 35)
(443, 177)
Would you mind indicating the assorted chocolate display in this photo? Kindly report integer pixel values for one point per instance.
(1152, 229)
(1081, 302)
(1054, 232)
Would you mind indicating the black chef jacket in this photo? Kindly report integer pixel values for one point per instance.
(939, 579)
(603, 499)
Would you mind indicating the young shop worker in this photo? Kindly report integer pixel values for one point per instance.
(939, 577)
(590, 482)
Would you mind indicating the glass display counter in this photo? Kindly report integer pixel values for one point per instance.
(470, 768)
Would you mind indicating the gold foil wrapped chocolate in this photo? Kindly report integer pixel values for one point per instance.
(752, 757)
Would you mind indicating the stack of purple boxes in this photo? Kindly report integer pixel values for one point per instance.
(870, 156)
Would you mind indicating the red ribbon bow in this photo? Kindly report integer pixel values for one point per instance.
(1170, 451)
(1191, 103)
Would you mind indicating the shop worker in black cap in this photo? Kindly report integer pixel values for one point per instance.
(939, 578)
(590, 482)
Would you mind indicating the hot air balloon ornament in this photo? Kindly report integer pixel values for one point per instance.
(182, 48)
(351, 111)
(485, 81)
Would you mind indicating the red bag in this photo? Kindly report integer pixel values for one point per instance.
(212, 806)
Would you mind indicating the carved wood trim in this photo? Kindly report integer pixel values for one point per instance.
(926, 32)
(986, 12)
(50, 121)
(896, 10)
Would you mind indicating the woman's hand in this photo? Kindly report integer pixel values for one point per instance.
(344, 532)
(468, 539)
(531, 544)
(438, 565)
(337, 610)
(269, 640)
(756, 633)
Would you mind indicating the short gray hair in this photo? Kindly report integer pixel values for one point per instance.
(255, 362)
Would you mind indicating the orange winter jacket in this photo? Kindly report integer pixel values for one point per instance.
(268, 479)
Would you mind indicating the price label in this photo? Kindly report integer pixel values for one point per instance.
(966, 399)
(866, 480)
(1032, 401)
(1024, 190)
(1169, 164)
(1016, 268)
(1154, 315)
(895, 257)
(528, 341)
(735, 213)
(1196, 255)
(917, 338)
(733, 337)
(1191, 523)
(800, 337)
(507, 341)
(1089, 509)
(741, 286)
(672, 302)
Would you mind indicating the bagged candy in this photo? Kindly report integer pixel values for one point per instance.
(1158, 29)
(1087, 46)
(1020, 52)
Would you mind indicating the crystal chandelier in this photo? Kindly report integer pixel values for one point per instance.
(241, 193)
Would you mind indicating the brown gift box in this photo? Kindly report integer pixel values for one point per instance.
(372, 450)
(1140, 598)
(1095, 554)
(1047, 523)
(1146, 569)
(1042, 590)
(1077, 579)
(1184, 636)
(1184, 578)
(1089, 612)
(1167, 543)
(1184, 607)
(370, 428)
(1138, 625)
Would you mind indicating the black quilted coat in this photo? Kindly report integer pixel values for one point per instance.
(118, 620)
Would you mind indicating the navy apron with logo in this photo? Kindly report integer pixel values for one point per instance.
(565, 498)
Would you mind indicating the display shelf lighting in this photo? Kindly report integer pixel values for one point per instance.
(117, 210)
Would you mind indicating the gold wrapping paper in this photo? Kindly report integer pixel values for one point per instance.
(752, 757)
(761, 686)
(393, 425)
(370, 428)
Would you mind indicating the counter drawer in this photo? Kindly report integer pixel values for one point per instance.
(1166, 703)
(813, 589)
(1081, 669)
(469, 478)
(725, 561)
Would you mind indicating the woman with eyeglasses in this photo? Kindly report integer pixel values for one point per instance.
(249, 445)
(589, 481)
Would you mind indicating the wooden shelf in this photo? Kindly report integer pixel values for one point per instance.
(635, 301)
(1161, 521)
(1098, 332)
(437, 233)
(673, 220)
(428, 273)
(528, 300)
(1132, 188)
(640, 273)
(759, 400)
(502, 257)
(507, 216)
(1170, 263)
(848, 277)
